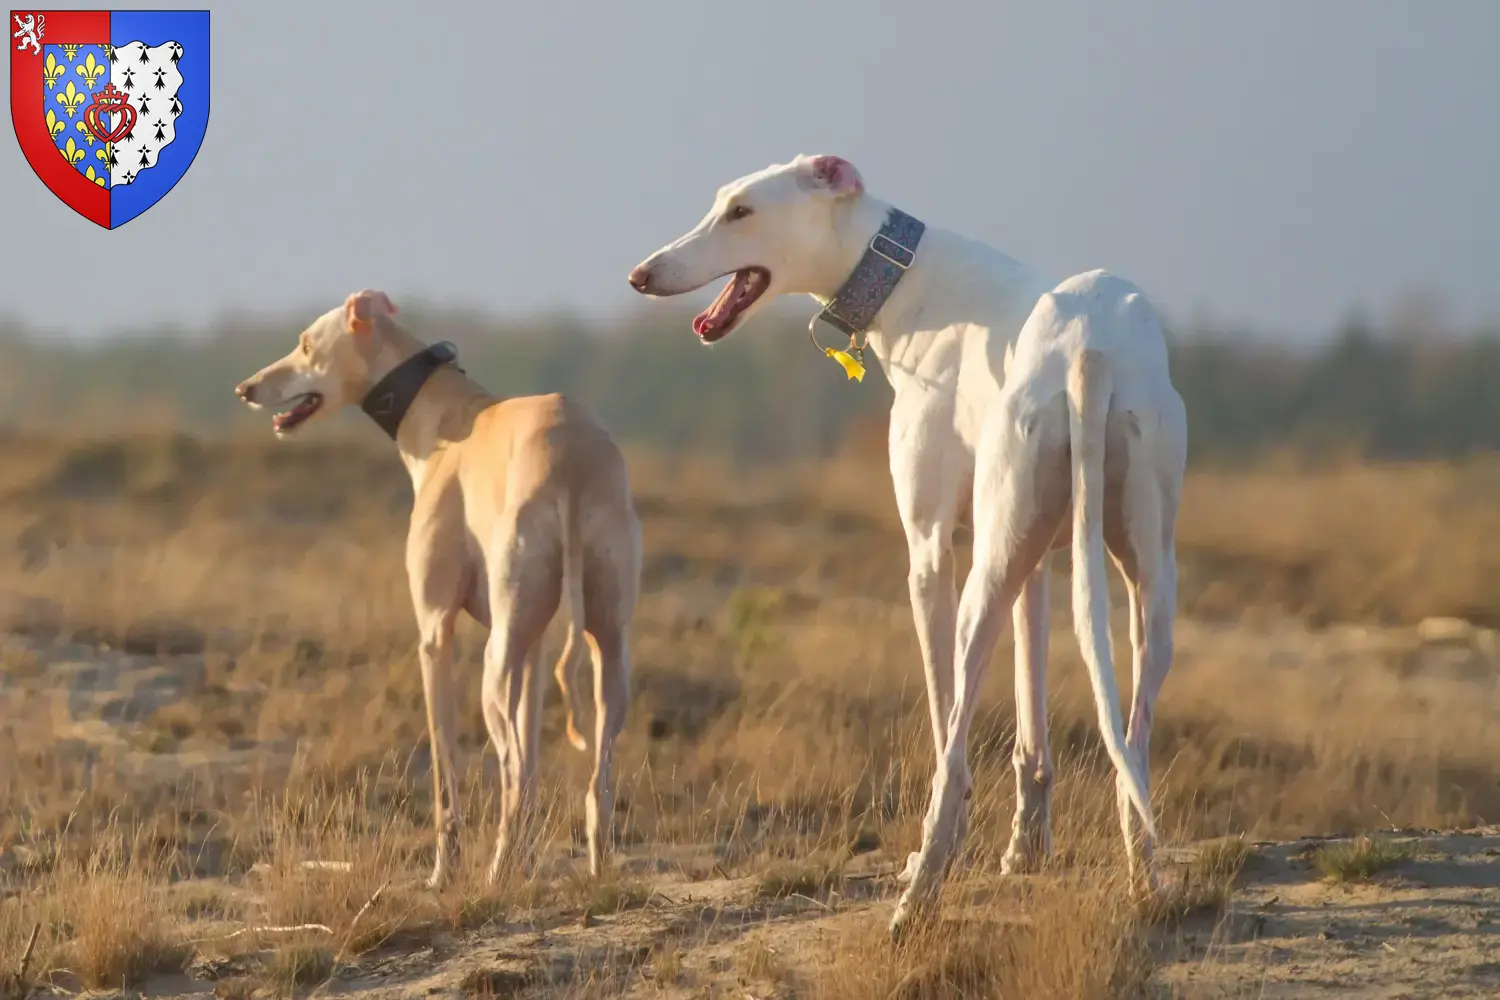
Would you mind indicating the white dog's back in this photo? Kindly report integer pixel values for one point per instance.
(1099, 311)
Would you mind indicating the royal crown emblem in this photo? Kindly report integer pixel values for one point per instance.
(109, 101)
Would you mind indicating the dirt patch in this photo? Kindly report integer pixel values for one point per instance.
(1427, 927)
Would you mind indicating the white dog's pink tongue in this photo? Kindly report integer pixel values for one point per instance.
(710, 319)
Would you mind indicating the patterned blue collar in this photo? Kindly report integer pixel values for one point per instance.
(860, 298)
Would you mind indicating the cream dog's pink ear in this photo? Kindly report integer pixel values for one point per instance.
(361, 307)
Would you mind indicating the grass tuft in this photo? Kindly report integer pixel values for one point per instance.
(300, 963)
(124, 925)
(615, 896)
(1205, 884)
(496, 984)
(1361, 858)
(812, 879)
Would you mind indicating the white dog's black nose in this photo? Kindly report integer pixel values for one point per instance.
(244, 390)
(640, 277)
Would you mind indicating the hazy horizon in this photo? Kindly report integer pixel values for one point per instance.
(1274, 166)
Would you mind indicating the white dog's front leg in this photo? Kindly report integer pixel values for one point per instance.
(929, 469)
(988, 593)
(933, 604)
(934, 609)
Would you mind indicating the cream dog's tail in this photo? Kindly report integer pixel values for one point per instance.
(571, 658)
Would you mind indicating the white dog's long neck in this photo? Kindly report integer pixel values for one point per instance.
(975, 284)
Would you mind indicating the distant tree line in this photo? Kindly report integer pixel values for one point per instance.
(766, 395)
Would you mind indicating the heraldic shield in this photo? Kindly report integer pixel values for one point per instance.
(110, 107)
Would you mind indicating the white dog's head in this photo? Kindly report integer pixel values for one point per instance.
(329, 368)
(776, 231)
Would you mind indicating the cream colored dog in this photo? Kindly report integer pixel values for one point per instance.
(517, 502)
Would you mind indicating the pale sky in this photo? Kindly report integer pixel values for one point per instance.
(1271, 163)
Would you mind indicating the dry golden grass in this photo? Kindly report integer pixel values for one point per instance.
(104, 918)
(1077, 938)
(777, 733)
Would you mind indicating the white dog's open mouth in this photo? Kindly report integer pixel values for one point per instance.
(300, 409)
(743, 289)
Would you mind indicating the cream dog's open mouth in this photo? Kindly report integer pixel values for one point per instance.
(296, 411)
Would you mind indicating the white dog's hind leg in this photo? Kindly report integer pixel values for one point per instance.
(1140, 532)
(1148, 561)
(1031, 830)
(1151, 613)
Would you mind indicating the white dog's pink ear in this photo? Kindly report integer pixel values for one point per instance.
(361, 307)
(833, 175)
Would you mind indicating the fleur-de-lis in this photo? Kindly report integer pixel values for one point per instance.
(106, 155)
(96, 178)
(56, 125)
(71, 51)
(82, 127)
(51, 70)
(70, 99)
(72, 152)
(91, 70)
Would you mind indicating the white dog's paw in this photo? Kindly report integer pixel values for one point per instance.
(910, 871)
(1020, 862)
(1145, 884)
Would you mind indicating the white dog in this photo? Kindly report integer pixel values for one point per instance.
(519, 505)
(1016, 398)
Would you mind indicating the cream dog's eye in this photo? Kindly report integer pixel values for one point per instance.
(738, 212)
(306, 347)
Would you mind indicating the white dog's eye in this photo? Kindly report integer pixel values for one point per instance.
(306, 347)
(738, 212)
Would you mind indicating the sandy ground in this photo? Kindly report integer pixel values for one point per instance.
(1425, 929)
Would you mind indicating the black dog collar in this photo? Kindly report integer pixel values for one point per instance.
(392, 396)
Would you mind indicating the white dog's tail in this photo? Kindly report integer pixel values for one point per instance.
(1090, 385)
(572, 585)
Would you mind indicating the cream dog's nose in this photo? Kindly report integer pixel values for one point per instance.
(640, 277)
